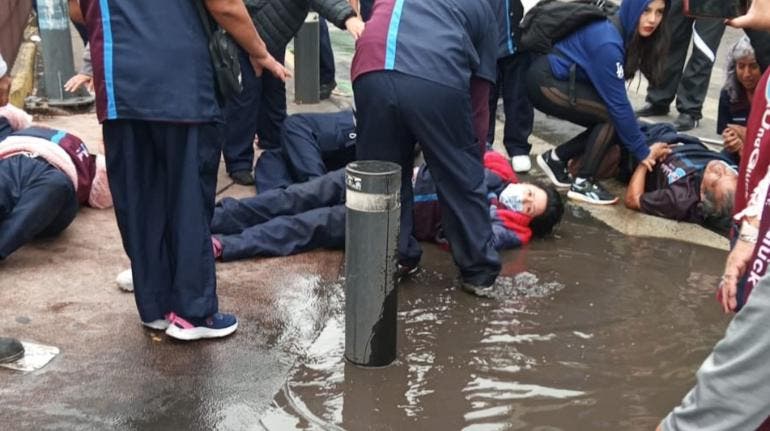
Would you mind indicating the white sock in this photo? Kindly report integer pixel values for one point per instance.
(579, 180)
(554, 156)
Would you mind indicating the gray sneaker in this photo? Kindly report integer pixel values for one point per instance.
(482, 291)
(590, 192)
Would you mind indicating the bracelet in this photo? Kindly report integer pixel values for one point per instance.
(748, 233)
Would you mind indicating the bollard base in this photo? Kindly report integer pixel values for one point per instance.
(369, 366)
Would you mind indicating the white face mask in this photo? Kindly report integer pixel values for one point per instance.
(513, 197)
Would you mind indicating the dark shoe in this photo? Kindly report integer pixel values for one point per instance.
(685, 122)
(244, 178)
(10, 350)
(325, 90)
(650, 110)
(590, 192)
(482, 291)
(404, 271)
(556, 170)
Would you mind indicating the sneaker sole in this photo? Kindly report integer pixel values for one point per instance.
(199, 333)
(156, 325)
(12, 358)
(583, 198)
(482, 292)
(549, 173)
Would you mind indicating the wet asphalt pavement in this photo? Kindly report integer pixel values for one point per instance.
(592, 330)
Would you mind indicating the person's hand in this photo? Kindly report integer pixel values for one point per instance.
(5, 89)
(733, 137)
(355, 26)
(78, 81)
(271, 64)
(735, 267)
(757, 18)
(658, 151)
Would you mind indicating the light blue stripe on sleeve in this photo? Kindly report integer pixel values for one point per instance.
(57, 137)
(390, 48)
(108, 77)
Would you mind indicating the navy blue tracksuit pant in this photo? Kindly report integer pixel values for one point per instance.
(163, 182)
(519, 113)
(36, 200)
(326, 67)
(396, 110)
(259, 110)
(311, 145)
(281, 222)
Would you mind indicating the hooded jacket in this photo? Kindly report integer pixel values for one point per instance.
(277, 21)
(598, 50)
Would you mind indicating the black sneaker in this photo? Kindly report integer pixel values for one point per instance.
(244, 178)
(685, 122)
(325, 90)
(405, 271)
(590, 192)
(10, 350)
(556, 170)
(650, 110)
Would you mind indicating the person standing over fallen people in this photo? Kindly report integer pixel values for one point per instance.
(411, 76)
(162, 128)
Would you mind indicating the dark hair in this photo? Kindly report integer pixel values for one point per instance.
(717, 215)
(543, 224)
(646, 54)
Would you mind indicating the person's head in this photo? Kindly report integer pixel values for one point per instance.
(646, 35)
(743, 71)
(717, 193)
(542, 204)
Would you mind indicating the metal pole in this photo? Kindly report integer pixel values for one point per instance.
(306, 67)
(58, 66)
(373, 202)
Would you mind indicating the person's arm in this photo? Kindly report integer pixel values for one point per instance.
(658, 151)
(757, 18)
(723, 113)
(606, 75)
(5, 82)
(76, 15)
(356, 5)
(340, 13)
(233, 17)
(733, 137)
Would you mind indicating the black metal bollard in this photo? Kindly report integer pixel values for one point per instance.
(373, 202)
(307, 81)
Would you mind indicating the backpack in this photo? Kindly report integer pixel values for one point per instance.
(552, 20)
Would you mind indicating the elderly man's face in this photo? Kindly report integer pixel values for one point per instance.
(718, 179)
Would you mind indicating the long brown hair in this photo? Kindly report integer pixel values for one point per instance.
(647, 54)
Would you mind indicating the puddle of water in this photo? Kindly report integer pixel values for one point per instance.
(591, 330)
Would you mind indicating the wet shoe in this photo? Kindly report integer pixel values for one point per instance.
(125, 281)
(556, 170)
(650, 110)
(215, 326)
(404, 271)
(685, 122)
(10, 350)
(482, 291)
(590, 192)
(244, 178)
(325, 90)
(521, 164)
(158, 325)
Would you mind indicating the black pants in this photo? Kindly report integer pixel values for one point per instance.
(519, 115)
(688, 83)
(552, 97)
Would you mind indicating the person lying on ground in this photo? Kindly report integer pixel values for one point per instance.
(45, 175)
(743, 74)
(688, 183)
(311, 215)
(311, 145)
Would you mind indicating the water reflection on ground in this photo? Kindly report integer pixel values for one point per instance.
(591, 330)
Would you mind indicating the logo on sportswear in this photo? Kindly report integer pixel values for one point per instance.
(619, 70)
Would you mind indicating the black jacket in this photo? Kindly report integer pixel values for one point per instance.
(277, 21)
